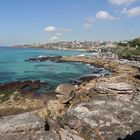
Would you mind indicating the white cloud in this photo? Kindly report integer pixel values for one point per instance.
(121, 2)
(65, 29)
(103, 15)
(131, 12)
(54, 38)
(50, 29)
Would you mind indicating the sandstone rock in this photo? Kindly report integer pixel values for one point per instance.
(39, 135)
(43, 113)
(113, 88)
(66, 135)
(55, 108)
(95, 117)
(18, 104)
(51, 124)
(112, 119)
(21, 123)
(66, 98)
(65, 89)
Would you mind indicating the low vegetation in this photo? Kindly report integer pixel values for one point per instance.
(130, 49)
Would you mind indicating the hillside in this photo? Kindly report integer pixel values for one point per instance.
(130, 49)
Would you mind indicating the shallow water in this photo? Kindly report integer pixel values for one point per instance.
(13, 67)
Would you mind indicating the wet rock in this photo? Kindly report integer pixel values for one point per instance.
(44, 58)
(21, 85)
(88, 78)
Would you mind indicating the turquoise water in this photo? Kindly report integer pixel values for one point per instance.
(13, 66)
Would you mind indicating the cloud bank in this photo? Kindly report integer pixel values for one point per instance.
(131, 12)
(121, 2)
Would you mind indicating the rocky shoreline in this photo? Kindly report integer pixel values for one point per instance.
(102, 108)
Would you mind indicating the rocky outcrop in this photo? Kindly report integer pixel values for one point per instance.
(55, 108)
(120, 88)
(65, 89)
(104, 108)
(24, 127)
(16, 104)
(21, 123)
(44, 58)
(23, 86)
(112, 119)
(65, 92)
(30, 126)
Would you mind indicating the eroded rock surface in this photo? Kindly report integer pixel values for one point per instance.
(113, 119)
(21, 123)
(65, 89)
(104, 108)
(120, 88)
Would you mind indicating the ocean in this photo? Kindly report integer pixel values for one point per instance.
(13, 67)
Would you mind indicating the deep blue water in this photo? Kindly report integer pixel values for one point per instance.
(13, 66)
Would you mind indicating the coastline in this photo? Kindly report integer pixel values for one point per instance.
(77, 106)
(82, 50)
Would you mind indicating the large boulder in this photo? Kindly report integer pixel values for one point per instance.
(65, 89)
(120, 88)
(39, 135)
(103, 119)
(21, 123)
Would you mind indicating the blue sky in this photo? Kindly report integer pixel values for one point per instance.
(40, 21)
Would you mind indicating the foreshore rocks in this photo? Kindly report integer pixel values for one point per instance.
(106, 119)
(103, 108)
(20, 85)
(18, 97)
(65, 92)
(114, 88)
(21, 123)
(65, 89)
(24, 127)
(15, 103)
(44, 58)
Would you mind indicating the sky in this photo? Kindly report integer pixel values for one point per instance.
(42, 21)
